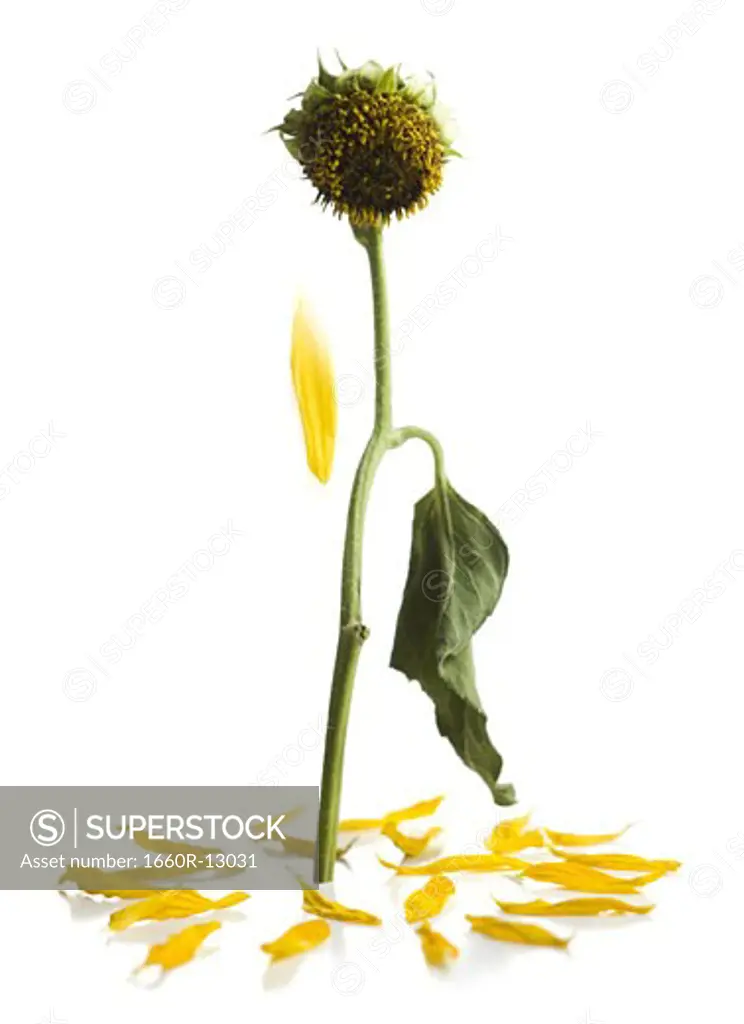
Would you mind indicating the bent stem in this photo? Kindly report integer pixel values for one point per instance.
(352, 631)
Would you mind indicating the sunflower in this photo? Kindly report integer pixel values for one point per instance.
(372, 141)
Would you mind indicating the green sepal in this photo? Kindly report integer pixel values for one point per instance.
(456, 574)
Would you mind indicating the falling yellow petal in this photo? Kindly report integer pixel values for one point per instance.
(300, 939)
(430, 900)
(510, 836)
(423, 809)
(313, 902)
(411, 846)
(171, 904)
(312, 376)
(460, 862)
(178, 949)
(511, 931)
(579, 878)
(437, 950)
(598, 907)
(617, 861)
(571, 839)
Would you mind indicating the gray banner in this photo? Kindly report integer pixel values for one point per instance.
(107, 838)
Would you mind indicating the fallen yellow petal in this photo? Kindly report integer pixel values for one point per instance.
(299, 939)
(312, 376)
(598, 907)
(460, 862)
(170, 849)
(430, 900)
(572, 839)
(437, 950)
(411, 846)
(178, 949)
(171, 904)
(423, 809)
(313, 902)
(617, 861)
(308, 847)
(579, 878)
(512, 931)
(510, 836)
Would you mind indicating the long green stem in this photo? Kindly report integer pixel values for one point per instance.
(352, 631)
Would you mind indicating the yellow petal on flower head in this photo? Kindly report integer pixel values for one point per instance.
(411, 846)
(173, 903)
(579, 878)
(598, 907)
(299, 939)
(572, 839)
(617, 861)
(312, 376)
(511, 835)
(314, 902)
(437, 950)
(512, 931)
(178, 949)
(423, 809)
(460, 862)
(430, 900)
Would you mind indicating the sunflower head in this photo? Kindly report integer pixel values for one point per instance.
(371, 141)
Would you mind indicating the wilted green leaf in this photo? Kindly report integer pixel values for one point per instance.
(456, 573)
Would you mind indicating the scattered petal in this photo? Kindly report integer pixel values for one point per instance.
(571, 839)
(178, 949)
(430, 900)
(618, 861)
(437, 950)
(423, 809)
(299, 939)
(171, 904)
(312, 376)
(605, 907)
(460, 862)
(411, 846)
(308, 847)
(171, 849)
(579, 878)
(512, 931)
(313, 902)
(510, 836)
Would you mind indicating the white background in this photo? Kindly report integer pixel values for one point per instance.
(603, 151)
